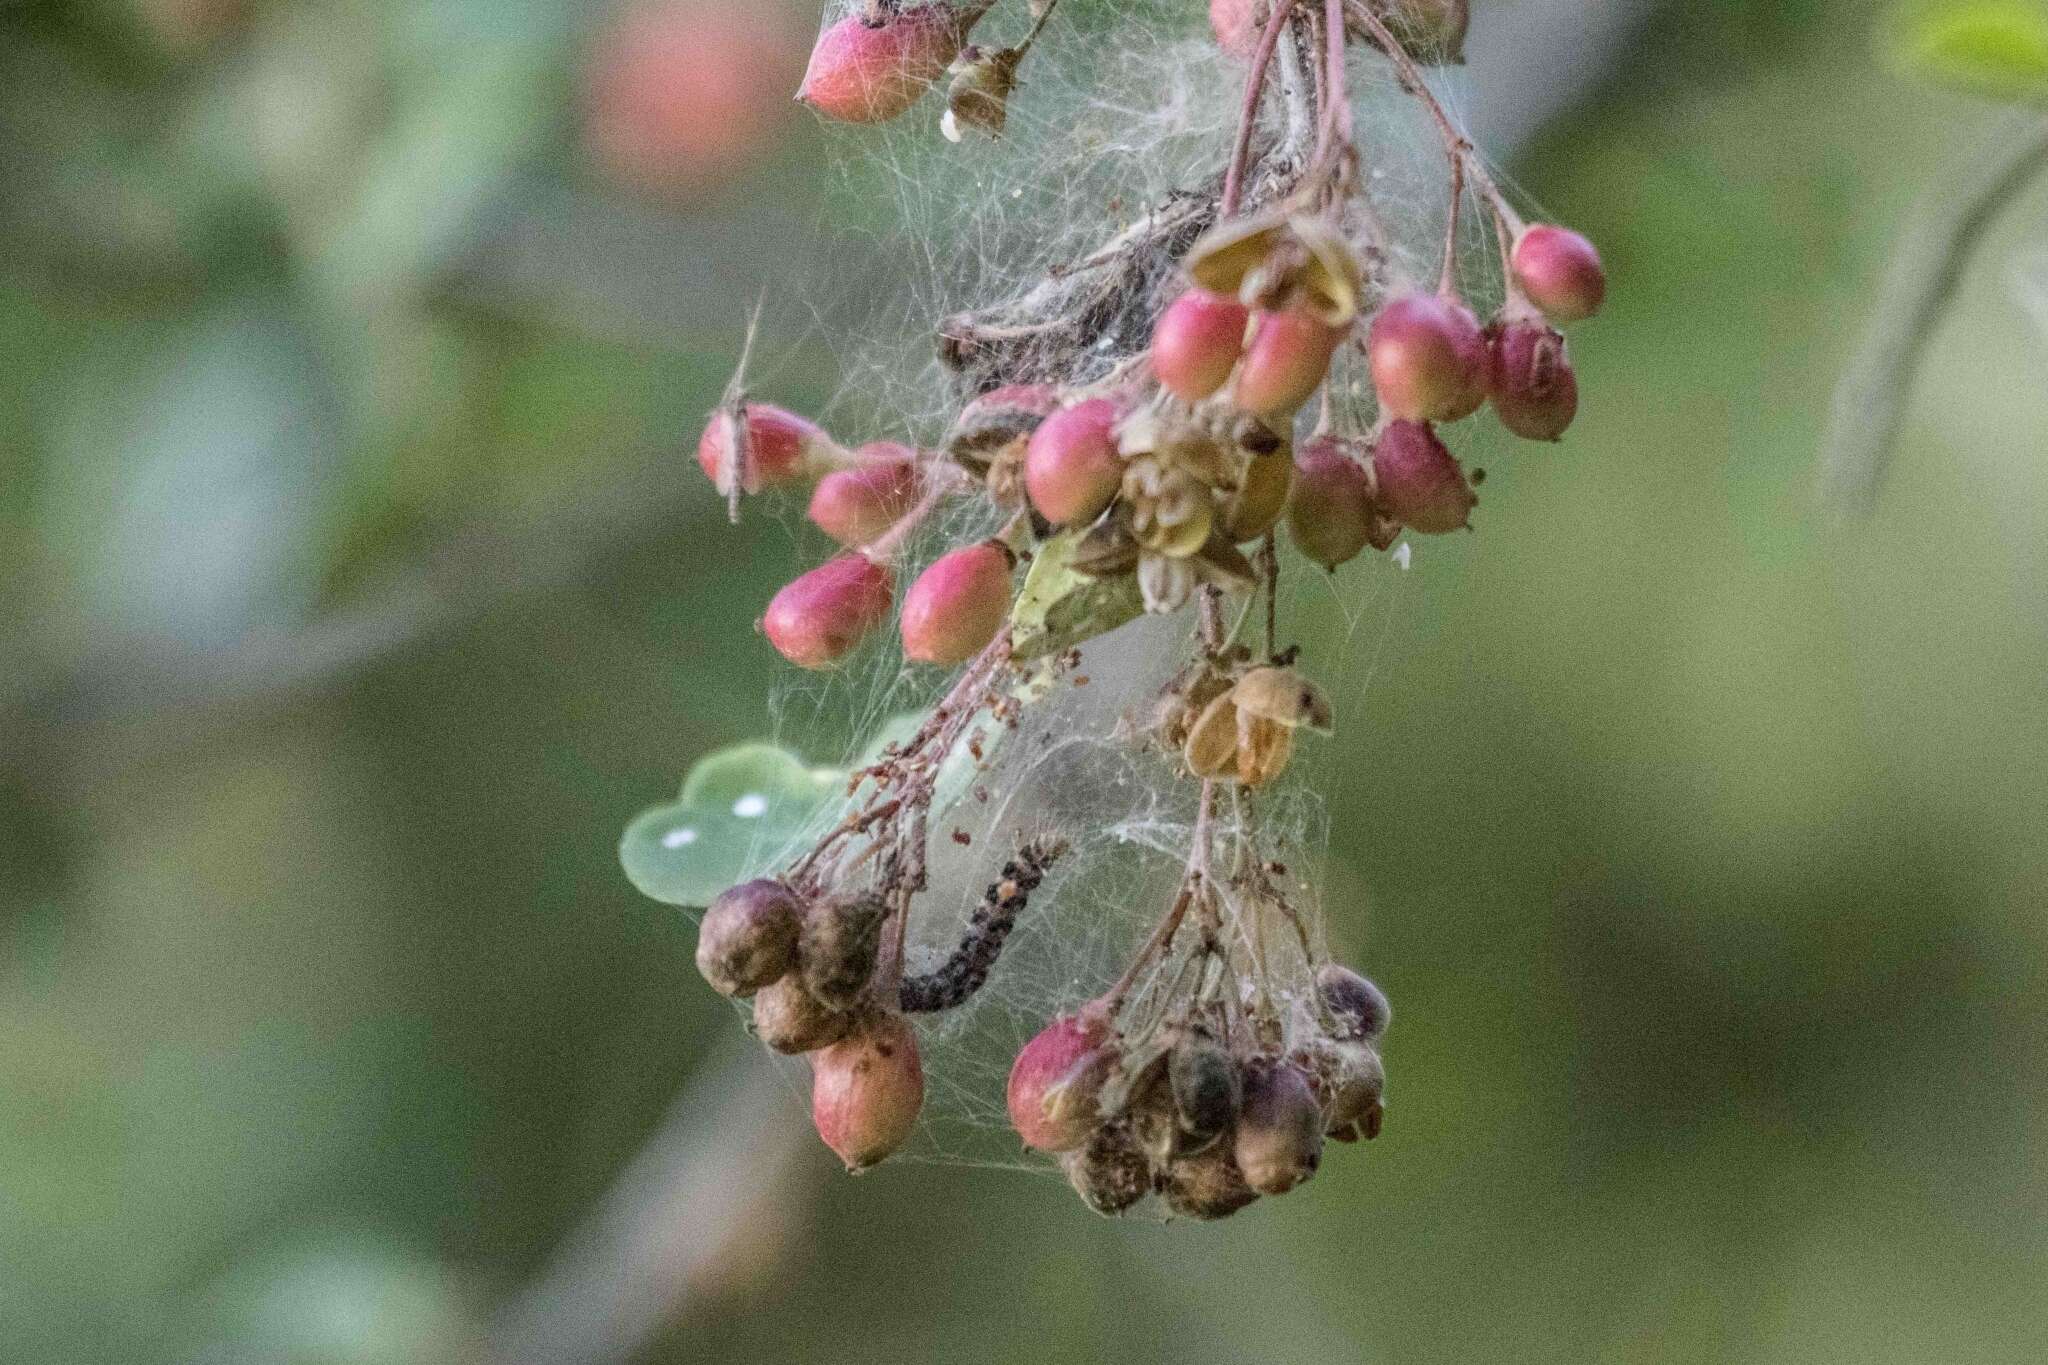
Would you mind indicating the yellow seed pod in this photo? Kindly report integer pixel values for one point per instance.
(1329, 280)
(1230, 251)
(1284, 697)
(1211, 748)
(1263, 748)
(1255, 508)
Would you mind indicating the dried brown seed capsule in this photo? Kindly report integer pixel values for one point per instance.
(866, 1091)
(996, 420)
(748, 936)
(838, 947)
(1054, 1082)
(1279, 1134)
(1351, 1082)
(789, 1019)
(1207, 1184)
(978, 95)
(1109, 1171)
(1357, 1008)
(1207, 1090)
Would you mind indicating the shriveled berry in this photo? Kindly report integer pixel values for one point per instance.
(1054, 1081)
(838, 946)
(1279, 1134)
(1109, 1171)
(818, 618)
(864, 72)
(866, 1091)
(1428, 359)
(788, 1018)
(1331, 515)
(748, 936)
(774, 445)
(997, 420)
(1197, 342)
(856, 504)
(958, 604)
(1535, 393)
(1071, 469)
(1417, 481)
(1357, 1008)
(1207, 1090)
(1207, 1184)
(1350, 1082)
(1559, 271)
(1430, 31)
(1285, 361)
(1262, 499)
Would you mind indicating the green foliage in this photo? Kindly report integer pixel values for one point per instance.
(1994, 48)
(737, 806)
(1059, 606)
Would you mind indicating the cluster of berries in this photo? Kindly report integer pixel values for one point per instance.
(1182, 1109)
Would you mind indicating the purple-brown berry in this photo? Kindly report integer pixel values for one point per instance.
(866, 1091)
(957, 605)
(1331, 515)
(1428, 358)
(1197, 342)
(1535, 393)
(789, 1019)
(1559, 271)
(747, 939)
(818, 618)
(1279, 1135)
(862, 72)
(1206, 1185)
(1357, 1008)
(1417, 481)
(1108, 1171)
(1071, 468)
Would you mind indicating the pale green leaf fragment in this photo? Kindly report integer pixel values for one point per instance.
(1994, 48)
(742, 811)
(1060, 607)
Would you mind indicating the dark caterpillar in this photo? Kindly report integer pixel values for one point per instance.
(956, 979)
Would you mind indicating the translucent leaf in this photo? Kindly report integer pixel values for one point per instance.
(1059, 606)
(741, 811)
(1996, 48)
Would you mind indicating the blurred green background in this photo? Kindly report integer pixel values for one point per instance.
(355, 588)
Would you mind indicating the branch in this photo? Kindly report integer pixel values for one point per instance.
(1929, 262)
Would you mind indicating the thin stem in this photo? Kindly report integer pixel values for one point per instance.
(1248, 115)
(1447, 282)
(1920, 283)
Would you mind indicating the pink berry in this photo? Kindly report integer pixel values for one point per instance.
(866, 1091)
(781, 448)
(870, 73)
(1428, 359)
(1560, 271)
(682, 94)
(1065, 1064)
(856, 504)
(1330, 514)
(1197, 342)
(818, 618)
(958, 604)
(1417, 480)
(1279, 1135)
(1535, 392)
(1236, 25)
(1071, 468)
(1285, 363)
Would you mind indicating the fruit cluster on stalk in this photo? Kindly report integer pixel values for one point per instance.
(1163, 476)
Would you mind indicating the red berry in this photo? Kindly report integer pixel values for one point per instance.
(747, 939)
(1279, 1136)
(958, 604)
(870, 73)
(1535, 392)
(1331, 514)
(682, 94)
(1428, 359)
(1071, 468)
(781, 448)
(1052, 1086)
(866, 1091)
(1560, 271)
(817, 619)
(1197, 341)
(857, 504)
(1417, 481)
(1285, 362)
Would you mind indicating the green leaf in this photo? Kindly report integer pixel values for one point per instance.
(1059, 606)
(1995, 48)
(742, 810)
